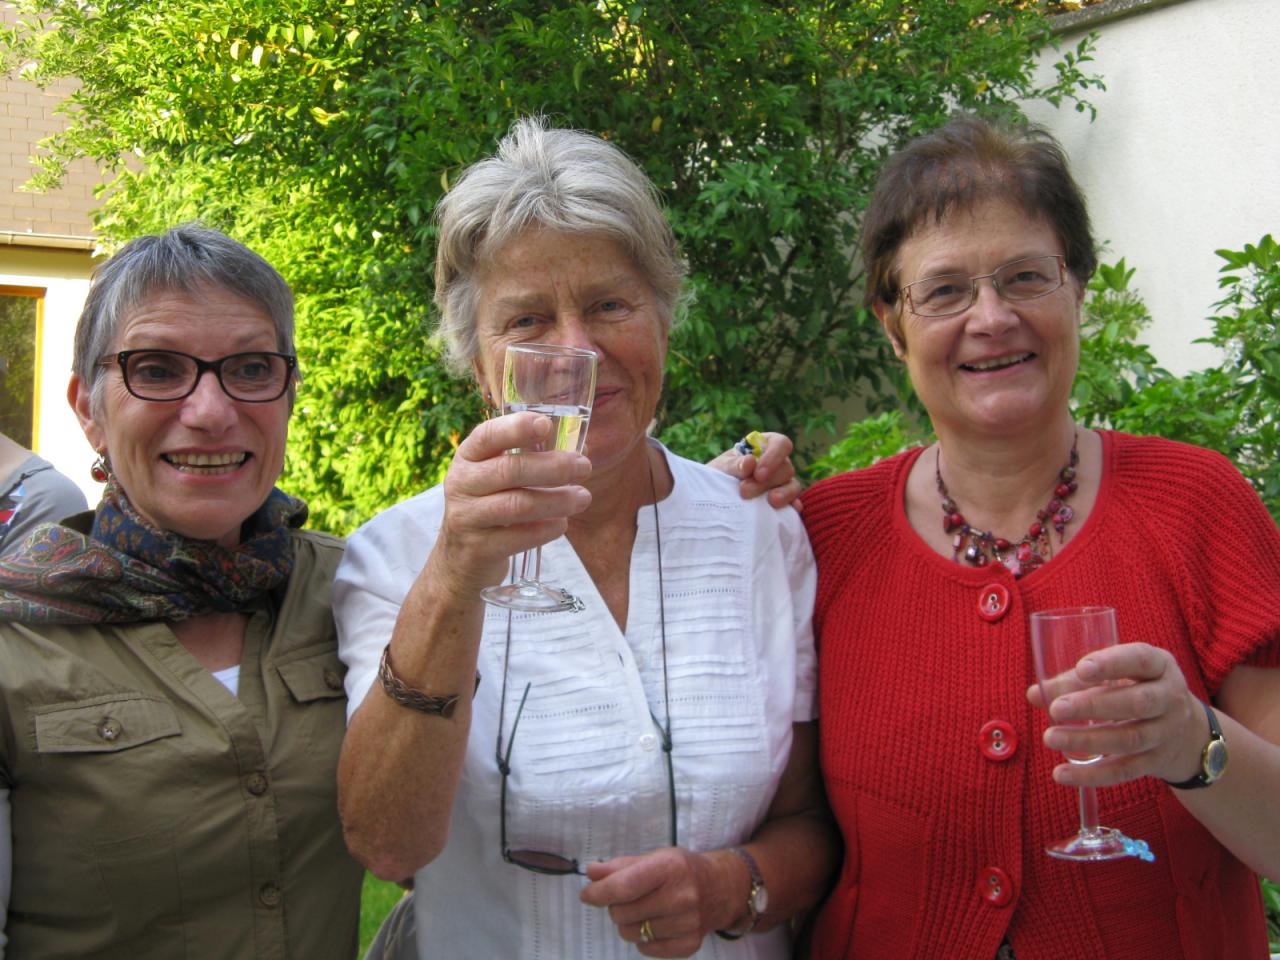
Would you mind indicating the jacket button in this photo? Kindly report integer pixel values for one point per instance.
(269, 895)
(993, 602)
(256, 784)
(998, 740)
(994, 886)
(332, 679)
(109, 729)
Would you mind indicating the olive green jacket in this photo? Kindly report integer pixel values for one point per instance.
(155, 815)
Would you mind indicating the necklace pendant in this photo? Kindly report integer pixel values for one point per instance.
(973, 553)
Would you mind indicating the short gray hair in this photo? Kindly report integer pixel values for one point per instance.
(183, 259)
(564, 180)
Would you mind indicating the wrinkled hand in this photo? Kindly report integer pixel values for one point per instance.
(772, 472)
(1147, 723)
(496, 506)
(671, 888)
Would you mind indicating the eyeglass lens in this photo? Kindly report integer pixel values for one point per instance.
(255, 377)
(1024, 279)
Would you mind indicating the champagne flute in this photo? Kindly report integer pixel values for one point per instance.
(561, 383)
(1059, 639)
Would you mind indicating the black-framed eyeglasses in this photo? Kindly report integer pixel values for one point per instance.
(161, 375)
(1026, 279)
(555, 864)
(543, 861)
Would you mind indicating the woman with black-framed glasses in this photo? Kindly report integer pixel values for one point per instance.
(639, 773)
(171, 702)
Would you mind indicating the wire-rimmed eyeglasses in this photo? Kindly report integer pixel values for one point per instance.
(161, 375)
(1028, 278)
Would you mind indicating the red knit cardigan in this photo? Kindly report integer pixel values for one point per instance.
(933, 758)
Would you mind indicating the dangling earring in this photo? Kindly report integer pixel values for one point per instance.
(101, 469)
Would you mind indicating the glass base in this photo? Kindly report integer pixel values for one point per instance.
(1102, 844)
(531, 596)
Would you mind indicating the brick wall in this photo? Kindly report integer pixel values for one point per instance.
(26, 116)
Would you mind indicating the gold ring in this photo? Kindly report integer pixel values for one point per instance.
(646, 933)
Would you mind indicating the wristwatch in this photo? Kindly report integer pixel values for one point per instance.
(757, 897)
(1213, 759)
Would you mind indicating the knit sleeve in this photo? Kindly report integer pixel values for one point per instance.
(844, 515)
(1222, 545)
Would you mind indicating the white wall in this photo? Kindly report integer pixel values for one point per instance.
(1184, 156)
(65, 277)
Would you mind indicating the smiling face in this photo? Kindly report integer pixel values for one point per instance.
(1000, 366)
(202, 465)
(579, 291)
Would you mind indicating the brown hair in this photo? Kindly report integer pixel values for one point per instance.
(963, 163)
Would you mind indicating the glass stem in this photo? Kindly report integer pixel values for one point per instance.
(1088, 811)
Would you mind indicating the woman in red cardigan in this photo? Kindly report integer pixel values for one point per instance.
(943, 767)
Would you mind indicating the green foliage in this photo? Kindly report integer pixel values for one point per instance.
(17, 366)
(869, 440)
(377, 899)
(1230, 408)
(1271, 900)
(322, 132)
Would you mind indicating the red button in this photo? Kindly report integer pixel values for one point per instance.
(994, 886)
(993, 602)
(998, 740)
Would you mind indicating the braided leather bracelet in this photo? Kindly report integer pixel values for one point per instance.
(406, 696)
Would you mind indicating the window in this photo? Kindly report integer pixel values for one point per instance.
(20, 314)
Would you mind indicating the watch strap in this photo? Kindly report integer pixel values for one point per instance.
(1203, 778)
(757, 887)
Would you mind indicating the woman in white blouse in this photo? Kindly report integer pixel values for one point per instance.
(663, 789)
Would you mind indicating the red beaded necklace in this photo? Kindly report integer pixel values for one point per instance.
(980, 547)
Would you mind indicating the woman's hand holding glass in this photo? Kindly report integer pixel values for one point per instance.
(1130, 703)
(497, 506)
(1061, 640)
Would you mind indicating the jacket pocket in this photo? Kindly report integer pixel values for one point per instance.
(104, 724)
(314, 676)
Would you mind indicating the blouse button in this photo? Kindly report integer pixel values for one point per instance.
(998, 740)
(648, 741)
(256, 783)
(994, 886)
(993, 602)
(269, 895)
(331, 679)
(109, 729)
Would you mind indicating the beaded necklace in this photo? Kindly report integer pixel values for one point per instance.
(980, 547)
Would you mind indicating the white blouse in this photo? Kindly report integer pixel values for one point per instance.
(588, 775)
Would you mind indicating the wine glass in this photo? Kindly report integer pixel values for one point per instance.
(1059, 639)
(561, 383)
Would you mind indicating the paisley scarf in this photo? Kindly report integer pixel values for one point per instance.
(126, 570)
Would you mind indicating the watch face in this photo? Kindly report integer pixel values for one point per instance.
(1215, 759)
(761, 900)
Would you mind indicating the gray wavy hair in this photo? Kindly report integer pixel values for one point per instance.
(183, 259)
(565, 180)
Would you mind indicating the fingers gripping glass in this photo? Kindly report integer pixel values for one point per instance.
(1027, 279)
(254, 377)
(1059, 639)
(559, 382)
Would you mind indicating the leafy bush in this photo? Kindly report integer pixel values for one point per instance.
(322, 132)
